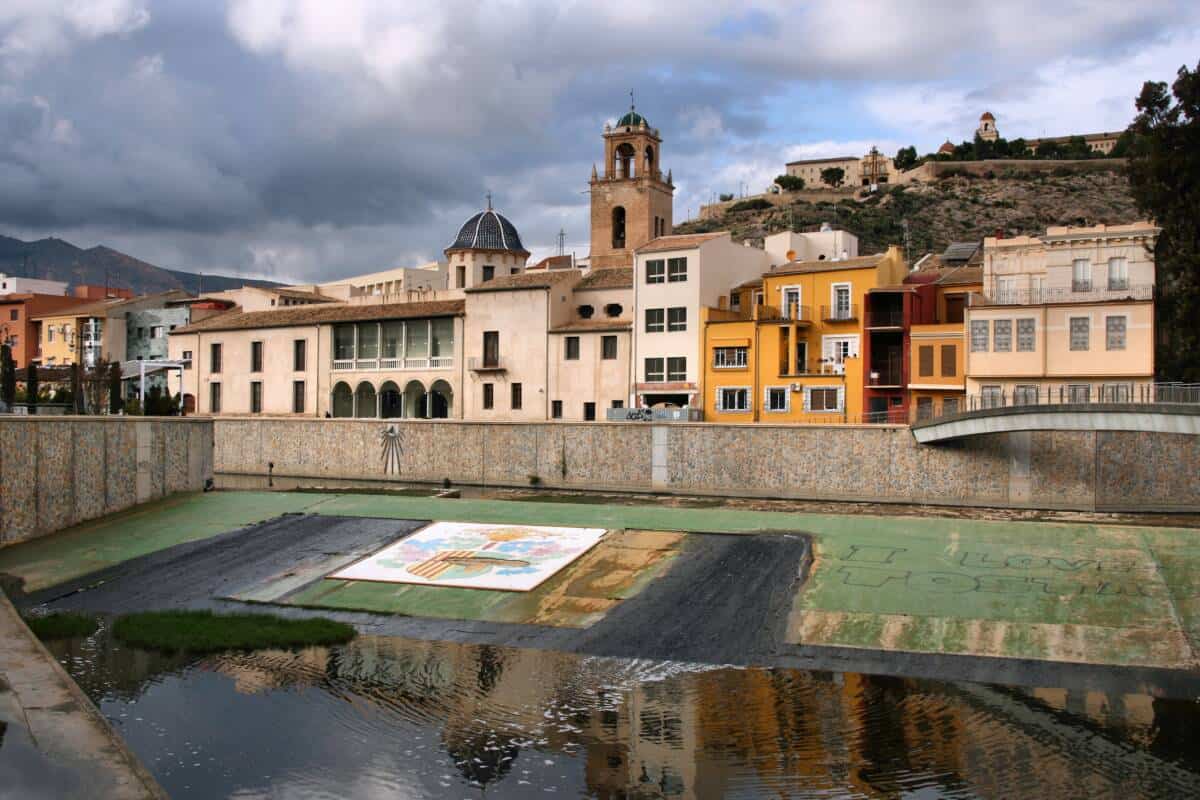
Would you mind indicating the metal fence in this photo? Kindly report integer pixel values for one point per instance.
(1069, 394)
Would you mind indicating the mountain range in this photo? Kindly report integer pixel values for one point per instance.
(58, 260)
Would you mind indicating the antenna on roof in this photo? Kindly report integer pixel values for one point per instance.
(562, 242)
(489, 199)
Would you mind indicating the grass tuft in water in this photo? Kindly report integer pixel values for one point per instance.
(62, 625)
(206, 632)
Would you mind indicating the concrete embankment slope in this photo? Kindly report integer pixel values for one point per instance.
(56, 744)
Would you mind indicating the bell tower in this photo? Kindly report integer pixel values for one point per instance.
(631, 201)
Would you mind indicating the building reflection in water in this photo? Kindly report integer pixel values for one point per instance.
(642, 729)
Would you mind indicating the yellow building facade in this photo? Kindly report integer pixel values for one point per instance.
(788, 348)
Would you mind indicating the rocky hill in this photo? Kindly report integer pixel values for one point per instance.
(953, 208)
(58, 260)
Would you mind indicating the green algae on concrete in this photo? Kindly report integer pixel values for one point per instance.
(83, 549)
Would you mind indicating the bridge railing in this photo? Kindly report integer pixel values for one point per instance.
(1107, 393)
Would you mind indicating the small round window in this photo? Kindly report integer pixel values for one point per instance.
(586, 312)
(613, 309)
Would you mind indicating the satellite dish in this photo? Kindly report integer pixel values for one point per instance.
(791, 255)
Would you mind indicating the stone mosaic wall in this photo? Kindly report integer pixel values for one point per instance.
(1067, 470)
(59, 471)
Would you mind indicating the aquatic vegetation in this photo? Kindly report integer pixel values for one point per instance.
(206, 632)
(62, 625)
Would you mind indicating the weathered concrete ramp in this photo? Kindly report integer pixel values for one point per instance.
(55, 743)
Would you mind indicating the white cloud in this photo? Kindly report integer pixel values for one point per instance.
(34, 30)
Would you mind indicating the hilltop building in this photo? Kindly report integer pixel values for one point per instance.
(15, 284)
(872, 168)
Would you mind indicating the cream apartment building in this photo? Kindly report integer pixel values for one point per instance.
(1064, 317)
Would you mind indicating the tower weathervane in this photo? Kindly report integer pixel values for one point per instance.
(631, 105)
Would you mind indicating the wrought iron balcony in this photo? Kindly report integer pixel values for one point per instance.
(839, 313)
(486, 364)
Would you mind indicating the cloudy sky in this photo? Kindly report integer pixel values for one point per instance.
(309, 139)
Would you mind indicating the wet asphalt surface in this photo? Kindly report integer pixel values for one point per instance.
(725, 600)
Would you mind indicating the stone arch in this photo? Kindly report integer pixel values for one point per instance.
(441, 400)
(648, 168)
(624, 156)
(391, 401)
(618, 227)
(366, 404)
(343, 400)
(414, 400)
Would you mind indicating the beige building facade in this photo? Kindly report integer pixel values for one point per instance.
(1064, 317)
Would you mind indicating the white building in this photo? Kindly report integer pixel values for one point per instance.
(14, 284)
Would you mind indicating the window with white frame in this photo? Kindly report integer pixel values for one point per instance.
(1080, 329)
(655, 370)
(1118, 274)
(1081, 275)
(979, 335)
(1079, 393)
(1025, 394)
(677, 368)
(735, 301)
(1002, 335)
(1116, 393)
(1026, 335)
(655, 320)
(841, 301)
(837, 349)
(730, 357)
(1114, 333)
(1006, 290)
(676, 270)
(733, 398)
(777, 398)
(825, 399)
(990, 396)
(677, 318)
(656, 271)
(791, 302)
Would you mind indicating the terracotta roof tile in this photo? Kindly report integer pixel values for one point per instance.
(297, 294)
(320, 313)
(542, 279)
(803, 267)
(610, 278)
(683, 241)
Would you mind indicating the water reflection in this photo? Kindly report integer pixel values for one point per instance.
(423, 719)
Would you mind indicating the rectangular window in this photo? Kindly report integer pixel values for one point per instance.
(1118, 274)
(777, 398)
(368, 341)
(730, 357)
(141, 333)
(1080, 328)
(571, 351)
(214, 398)
(677, 368)
(156, 332)
(735, 301)
(255, 397)
(49, 332)
(656, 271)
(733, 399)
(676, 270)
(556, 409)
(491, 348)
(1116, 393)
(1079, 393)
(924, 408)
(589, 412)
(13, 314)
(608, 347)
(298, 395)
(823, 398)
(677, 319)
(791, 302)
(343, 342)
(1114, 330)
(1026, 335)
(187, 359)
(489, 395)
(655, 320)
(925, 361)
(516, 397)
(618, 404)
(441, 339)
(299, 354)
(1002, 335)
(979, 336)
(1025, 394)
(841, 303)
(256, 356)
(949, 361)
(990, 396)
(214, 359)
(950, 406)
(460, 276)
(489, 272)
(956, 305)
(1081, 275)
(655, 370)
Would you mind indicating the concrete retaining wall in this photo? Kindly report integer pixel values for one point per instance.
(57, 472)
(1083, 470)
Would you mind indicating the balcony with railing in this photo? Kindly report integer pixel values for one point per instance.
(816, 366)
(840, 313)
(890, 318)
(1081, 285)
(1111, 292)
(486, 364)
(888, 373)
(391, 363)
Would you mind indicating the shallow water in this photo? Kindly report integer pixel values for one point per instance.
(391, 717)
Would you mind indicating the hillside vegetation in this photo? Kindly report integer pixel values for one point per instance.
(954, 208)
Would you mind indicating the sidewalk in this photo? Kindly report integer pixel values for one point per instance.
(53, 741)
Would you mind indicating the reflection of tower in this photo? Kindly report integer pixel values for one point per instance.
(631, 200)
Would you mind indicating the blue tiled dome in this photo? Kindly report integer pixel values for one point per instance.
(488, 230)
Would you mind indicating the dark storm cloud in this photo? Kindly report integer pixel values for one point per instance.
(310, 140)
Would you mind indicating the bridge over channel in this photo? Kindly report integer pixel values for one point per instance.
(1160, 409)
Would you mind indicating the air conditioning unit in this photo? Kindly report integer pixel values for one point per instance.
(797, 387)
